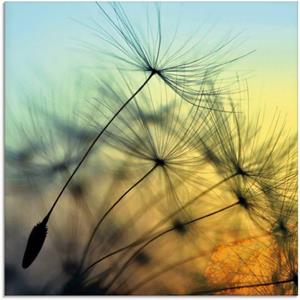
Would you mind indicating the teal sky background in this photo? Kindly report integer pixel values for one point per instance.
(40, 40)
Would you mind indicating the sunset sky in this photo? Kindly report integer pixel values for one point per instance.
(63, 83)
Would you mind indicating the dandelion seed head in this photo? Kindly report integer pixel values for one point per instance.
(182, 67)
(159, 129)
(242, 148)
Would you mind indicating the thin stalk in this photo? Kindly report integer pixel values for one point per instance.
(244, 286)
(163, 233)
(141, 240)
(138, 215)
(93, 144)
(108, 212)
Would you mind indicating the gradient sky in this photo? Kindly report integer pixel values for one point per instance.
(39, 39)
(42, 50)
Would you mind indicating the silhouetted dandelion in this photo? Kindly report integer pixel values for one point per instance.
(181, 190)
(241, 147)
(151, 63)
(166, 148)
(182, 66)
(250, 198)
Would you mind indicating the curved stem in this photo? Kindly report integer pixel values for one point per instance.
(45, 220)
(160, 272)
(139, 214)
(244, 286)
(108, 211)
(163, 233)
(141, 240)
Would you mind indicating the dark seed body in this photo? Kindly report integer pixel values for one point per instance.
(35, 243)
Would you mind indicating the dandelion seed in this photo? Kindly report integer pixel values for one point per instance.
(237, 146)
(176, 65)
(168, 143)
(167, 148)
(35, 243)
